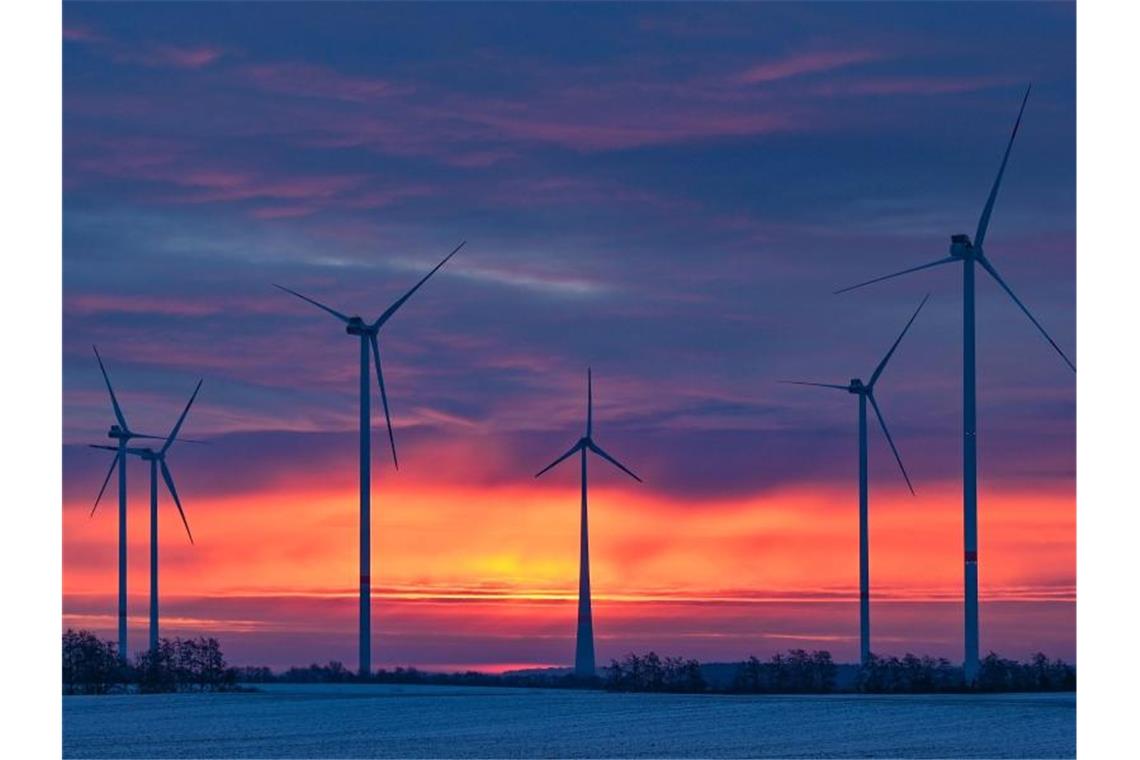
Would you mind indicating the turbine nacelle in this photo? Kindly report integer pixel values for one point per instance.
(118, 433)
(857, 386)
(357, 326)
(586, 442)
(962, 248)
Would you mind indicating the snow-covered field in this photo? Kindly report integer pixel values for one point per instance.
(424, 721)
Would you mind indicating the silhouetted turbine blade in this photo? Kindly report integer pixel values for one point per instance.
(882, 365)
(176, 440)
(114, 401)
(598, 450)
(557, 461)
(318, 304)
(106, 480)
(997, 277)
(383, 395)
(887, 433)
(178, 425)
(946, 260)
(816, 385)
(177, 502)
(984, 220)
(392, 309)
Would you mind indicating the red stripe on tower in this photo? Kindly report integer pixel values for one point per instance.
(971, 556)
(366, 579)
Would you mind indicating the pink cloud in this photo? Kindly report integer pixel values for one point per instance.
(151, 55)
(628, 125)
(910, 85)
(806, 63)
(184, 57)
(222, 184)
(168, 162)
(89, 304)
(80, 33)
(379, 198)
(479, 159)
(313, 81)
(283, 212)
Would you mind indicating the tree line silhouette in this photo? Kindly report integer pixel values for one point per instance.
(335, 672)
(799, 671)
(912, 674)
(92, 666)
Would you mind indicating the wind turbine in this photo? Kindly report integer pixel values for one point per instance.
(584, 649)
(969, 253)
(122, 434)
(157, 460)
(368, 332)
(866, 392)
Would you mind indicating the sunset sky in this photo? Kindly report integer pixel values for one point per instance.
(666, 193)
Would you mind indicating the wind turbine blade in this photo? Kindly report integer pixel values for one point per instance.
(946, 260)
(114, 401)
(392, 309)
(383, 395)
(572, 450)
(177, 502)
(319, 305)
(589, 402)
(984, 220)
(816, 385)
(887, 433)
(178, 425)
(176, 440)
(598, 450)
(997, 277)
(132, 450)
(882, 365)
(106, 480)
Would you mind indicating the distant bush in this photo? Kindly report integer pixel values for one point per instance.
(253, 674)
(184, 665)
(90, 666)
(1039, 674)
(334, 672)
(912, 674)
(797, 672)
(652, 673)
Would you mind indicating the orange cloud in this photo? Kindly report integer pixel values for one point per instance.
(500, 564)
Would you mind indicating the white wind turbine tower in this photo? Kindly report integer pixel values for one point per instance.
(584, 665)
(866, 392)
(157, 460)
(968, 253)
(121, 433)
(367, 332)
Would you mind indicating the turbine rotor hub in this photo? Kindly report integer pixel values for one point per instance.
(856, 386)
